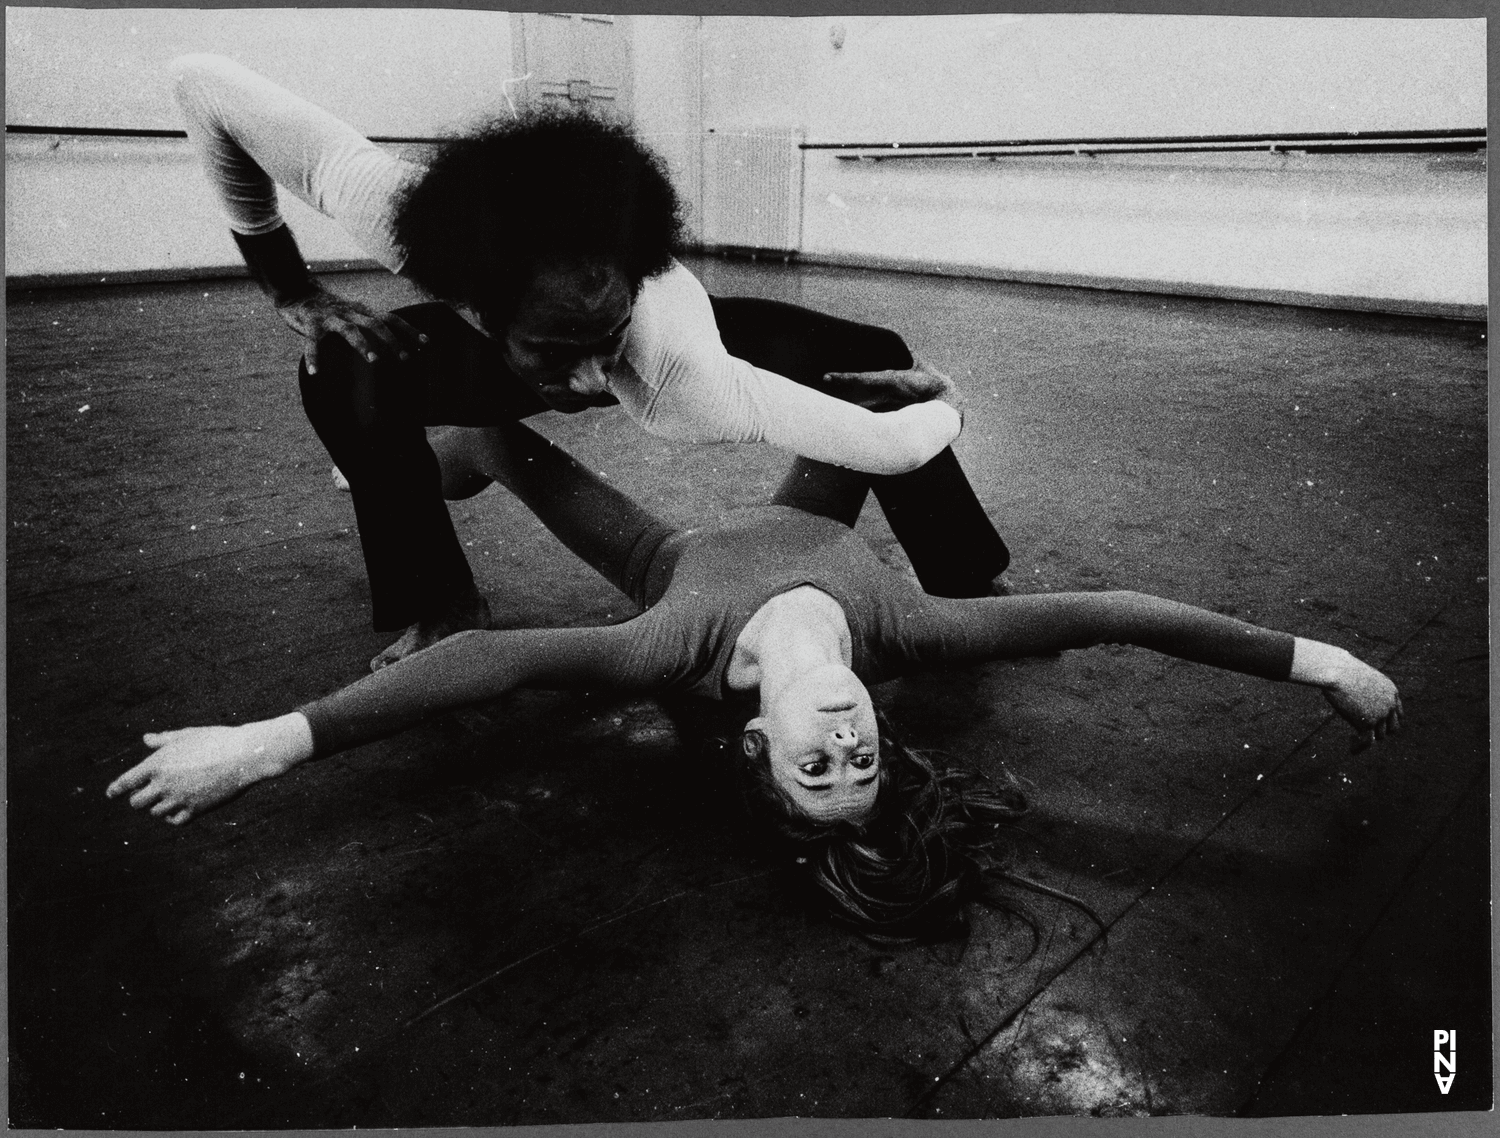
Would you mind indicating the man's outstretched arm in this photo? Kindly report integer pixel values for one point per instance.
(253, 136)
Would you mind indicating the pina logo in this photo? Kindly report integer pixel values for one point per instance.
(1441, 1062)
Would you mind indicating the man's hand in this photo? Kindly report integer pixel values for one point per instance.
(888, 390)
(370, 333)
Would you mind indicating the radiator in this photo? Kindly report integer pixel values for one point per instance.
(752, 189)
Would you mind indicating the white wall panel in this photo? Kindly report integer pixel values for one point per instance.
(87, 206)
(1399, 231)
(1406, 231)
(125, 208)
(388, 71)
(668, 99)
(979, 77)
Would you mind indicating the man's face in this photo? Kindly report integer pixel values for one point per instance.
(568, 331)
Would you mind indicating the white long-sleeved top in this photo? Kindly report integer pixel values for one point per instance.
(675, 377)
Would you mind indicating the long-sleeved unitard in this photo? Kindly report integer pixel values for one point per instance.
(702, 586)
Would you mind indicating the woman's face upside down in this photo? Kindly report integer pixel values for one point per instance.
(823, 742)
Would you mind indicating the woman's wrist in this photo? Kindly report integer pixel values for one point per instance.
(1318, 664)
(282, 743)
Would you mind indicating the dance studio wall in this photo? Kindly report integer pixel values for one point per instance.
(81, 208)
(1403, 232)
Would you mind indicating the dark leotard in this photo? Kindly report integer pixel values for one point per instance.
(702, 586)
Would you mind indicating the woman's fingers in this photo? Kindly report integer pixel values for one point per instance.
(1367, 734)
(159, 739)
(146, 795)
(180, 817)
(1368, 700)
(1390, 721)
(132, 780)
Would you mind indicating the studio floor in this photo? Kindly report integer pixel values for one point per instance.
(543, 909)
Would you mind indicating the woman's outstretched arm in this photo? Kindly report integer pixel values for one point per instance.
(193, 770)
(1365, 697)
(1012, 627)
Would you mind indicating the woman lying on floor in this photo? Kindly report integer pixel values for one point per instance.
(783, 602)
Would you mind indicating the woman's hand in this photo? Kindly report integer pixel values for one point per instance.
(888, 390)
(197, 768)
(1366, 698)
(368, 332)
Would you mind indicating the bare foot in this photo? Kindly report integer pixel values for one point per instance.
(471, 613)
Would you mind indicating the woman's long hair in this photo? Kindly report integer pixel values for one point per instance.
(910, 870)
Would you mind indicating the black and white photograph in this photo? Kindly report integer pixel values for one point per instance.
(646, 568)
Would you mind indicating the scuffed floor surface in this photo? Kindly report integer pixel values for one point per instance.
(543, 909)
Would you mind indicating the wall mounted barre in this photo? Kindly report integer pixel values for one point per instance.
(136, 132)
(1350, 142)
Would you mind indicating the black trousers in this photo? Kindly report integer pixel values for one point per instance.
(371, 417)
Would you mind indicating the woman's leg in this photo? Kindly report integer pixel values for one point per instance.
(371, 417)
(933, 511)
(627, 544)
(824, 489)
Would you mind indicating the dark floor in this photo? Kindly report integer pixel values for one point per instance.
(524, 913)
